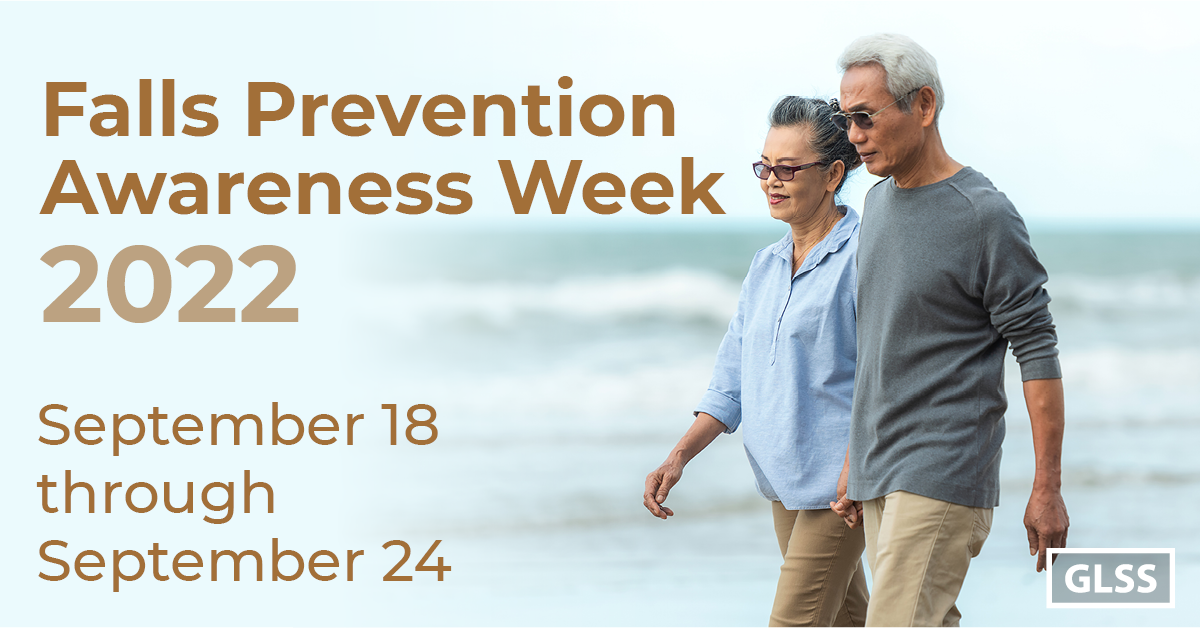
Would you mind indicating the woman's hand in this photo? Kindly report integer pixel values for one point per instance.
(702, 432)
(658, 485)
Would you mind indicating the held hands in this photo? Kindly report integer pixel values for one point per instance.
(849, 510)
(1046, 522)
(658, 485)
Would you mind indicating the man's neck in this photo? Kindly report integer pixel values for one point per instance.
(931, 165)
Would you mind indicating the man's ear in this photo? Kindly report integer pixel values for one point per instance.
(926, 105)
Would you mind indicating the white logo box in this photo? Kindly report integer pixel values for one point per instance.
(1053, 573)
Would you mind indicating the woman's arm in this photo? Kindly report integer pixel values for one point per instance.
(702, 432)
(722, 398)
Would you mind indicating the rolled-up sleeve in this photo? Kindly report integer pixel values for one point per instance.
(1012, 280)
(723, 400)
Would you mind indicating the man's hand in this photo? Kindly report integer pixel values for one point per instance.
(658, 485)
(849, 510)
(1046, 522)
(1046, 516)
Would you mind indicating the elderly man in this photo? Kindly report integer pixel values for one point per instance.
(947, 280)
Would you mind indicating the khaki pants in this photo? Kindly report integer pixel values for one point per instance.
(821, 582)
(919, 550)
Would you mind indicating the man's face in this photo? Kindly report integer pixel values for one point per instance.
(892, 144)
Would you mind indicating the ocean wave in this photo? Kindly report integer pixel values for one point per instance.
(706, 295)
(1120, 370)
(673, 294)
(1124, 385)
(1159, 292)
(579, 397)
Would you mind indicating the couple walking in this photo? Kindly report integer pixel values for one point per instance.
(865, 361)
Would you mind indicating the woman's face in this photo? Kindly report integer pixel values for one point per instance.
(799, 200)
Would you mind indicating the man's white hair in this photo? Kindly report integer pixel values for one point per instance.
(908, 66)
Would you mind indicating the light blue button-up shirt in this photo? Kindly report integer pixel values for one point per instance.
(785, 370)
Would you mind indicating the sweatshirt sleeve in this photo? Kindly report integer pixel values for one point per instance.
(1012, 278)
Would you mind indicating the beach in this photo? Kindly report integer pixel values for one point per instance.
(571, 362)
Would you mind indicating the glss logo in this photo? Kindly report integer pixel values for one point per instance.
(1111, 578)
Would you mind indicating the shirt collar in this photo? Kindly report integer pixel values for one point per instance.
(832, 242)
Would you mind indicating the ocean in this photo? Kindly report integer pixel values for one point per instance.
(565, 365)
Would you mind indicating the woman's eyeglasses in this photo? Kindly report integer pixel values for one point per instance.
(783, 173)
(842, 119)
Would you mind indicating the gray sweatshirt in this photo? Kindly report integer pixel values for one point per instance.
(947, 280)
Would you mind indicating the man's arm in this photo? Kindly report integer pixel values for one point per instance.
(1046, 515)
(1011, 280)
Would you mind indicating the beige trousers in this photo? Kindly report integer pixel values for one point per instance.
(919, 549)
(821, 582)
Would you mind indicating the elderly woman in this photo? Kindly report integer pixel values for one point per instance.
(785, 370)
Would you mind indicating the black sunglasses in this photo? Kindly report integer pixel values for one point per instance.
(842, 119)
